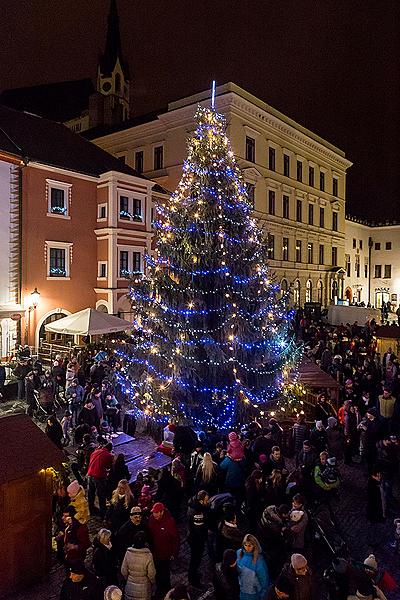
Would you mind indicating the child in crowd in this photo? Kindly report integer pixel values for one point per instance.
(235, 447)
(78, 501)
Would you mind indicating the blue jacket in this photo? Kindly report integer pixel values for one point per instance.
(235, 472)
(253, 577)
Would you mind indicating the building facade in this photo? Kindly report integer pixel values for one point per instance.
(372, 262)
(75, 224)
(296, 181)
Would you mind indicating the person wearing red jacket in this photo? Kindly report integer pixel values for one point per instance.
(164, 541)
(100, 463)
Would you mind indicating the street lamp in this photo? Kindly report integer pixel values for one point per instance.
(35, 296)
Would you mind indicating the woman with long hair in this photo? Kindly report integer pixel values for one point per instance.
(118, 471)
(252, 569)
(276, 488)
(121, 503)
(255, 498)
(103, 561)
(207, 475)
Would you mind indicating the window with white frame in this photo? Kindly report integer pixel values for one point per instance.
(130, 262)
(102, 212)
(130, 207)
(102, 270)
(58, 257)
(58, 197)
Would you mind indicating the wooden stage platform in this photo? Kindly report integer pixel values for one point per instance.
(140, 453)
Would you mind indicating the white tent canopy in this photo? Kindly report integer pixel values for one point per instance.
(88, 322)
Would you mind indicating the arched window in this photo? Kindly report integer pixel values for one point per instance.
(296, 293)
(284, 287)
(319, 291)
(309, 290)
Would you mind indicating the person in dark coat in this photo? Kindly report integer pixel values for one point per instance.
(298, 573)
(318, 437)
(125, 535)
(80, 584)
(275, 461)
(374, 432)
(30, 394)
(76, 537)
(197, 538)
(170, 492)
(54, 431)
(89, 415)
(323, 409)
(226, 581)
(376, 508)
(255, 498)
(281, 589)
(104, 558)
(118, 472)
(229, 536)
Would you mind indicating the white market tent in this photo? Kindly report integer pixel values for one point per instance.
(88, 322)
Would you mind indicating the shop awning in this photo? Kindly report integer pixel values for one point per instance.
(89, 322)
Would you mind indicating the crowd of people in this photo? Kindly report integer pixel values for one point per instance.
(244, 498)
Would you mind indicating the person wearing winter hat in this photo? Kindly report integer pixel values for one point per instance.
(299, 575)
(81, 583)
(318, 437)
(235, 447)
(164, 543)
(76, 538)
(78, 501)
(112, 592)
(126, 534)
(371, 564)
(367, 591)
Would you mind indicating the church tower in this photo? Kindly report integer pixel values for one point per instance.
(110, 104)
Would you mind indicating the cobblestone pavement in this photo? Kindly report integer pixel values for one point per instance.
(349, 511)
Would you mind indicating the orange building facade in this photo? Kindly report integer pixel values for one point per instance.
(74, 237)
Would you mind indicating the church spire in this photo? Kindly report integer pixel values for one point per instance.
(112, 51)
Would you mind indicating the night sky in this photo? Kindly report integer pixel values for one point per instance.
(331, 65)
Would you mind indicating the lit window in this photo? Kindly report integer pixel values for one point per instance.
(298, 250)
(58, 193)
(251, 193)
(285, 248)
(58, 259)
(271, 246)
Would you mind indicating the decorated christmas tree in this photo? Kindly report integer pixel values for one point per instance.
(212, 332)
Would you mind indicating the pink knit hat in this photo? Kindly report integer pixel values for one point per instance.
(73, 489)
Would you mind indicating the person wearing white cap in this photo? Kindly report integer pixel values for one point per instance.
(298, 573)
(112, 592)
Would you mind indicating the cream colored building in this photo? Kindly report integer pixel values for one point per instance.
(372, 262)
(297, 179)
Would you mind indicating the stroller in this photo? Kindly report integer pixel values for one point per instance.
(41, 412)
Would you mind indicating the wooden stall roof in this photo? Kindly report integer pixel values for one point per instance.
(313, 377)
(24, 448)
(388, 331)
